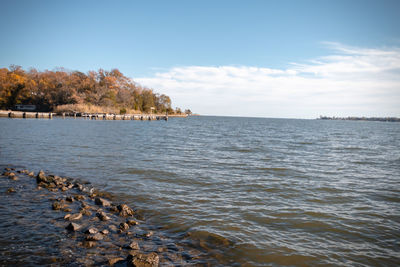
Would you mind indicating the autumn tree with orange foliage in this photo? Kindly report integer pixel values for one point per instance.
(49, 89)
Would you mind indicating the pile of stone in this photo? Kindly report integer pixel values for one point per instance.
(93, 219)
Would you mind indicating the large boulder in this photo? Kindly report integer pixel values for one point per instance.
(144, 260)
(102, 202)
(125, 210)
(94, 237)
(73, 227)
(102, 216)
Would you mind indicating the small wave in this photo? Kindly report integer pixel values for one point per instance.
(276, 169)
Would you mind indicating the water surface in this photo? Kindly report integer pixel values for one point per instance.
(282, 192)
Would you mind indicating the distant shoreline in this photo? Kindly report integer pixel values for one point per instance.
(383, 119)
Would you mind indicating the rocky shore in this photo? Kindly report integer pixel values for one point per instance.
(94, 230)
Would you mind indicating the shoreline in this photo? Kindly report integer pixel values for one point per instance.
(91, 116)
(96, 230)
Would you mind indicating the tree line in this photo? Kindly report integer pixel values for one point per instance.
(50, 89)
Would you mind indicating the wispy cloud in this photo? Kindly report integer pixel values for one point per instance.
(349, 81)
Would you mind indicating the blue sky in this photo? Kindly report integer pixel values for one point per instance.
(148, 40)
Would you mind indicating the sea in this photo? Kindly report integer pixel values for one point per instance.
(252, 191)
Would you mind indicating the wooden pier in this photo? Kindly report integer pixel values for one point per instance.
(46, 115)
(27, 115)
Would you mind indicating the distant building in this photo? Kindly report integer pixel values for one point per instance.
(25, 107)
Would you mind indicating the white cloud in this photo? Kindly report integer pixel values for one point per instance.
(352, 81)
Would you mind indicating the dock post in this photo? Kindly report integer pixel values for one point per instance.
(63, 115)
(37, 115)
(50, 115)
(24, 115)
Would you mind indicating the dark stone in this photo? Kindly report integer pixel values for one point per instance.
(94, 237)
(149, 234)
(132, 222)
(11, 190)
(113, 228)
(125, 210)
(113, 208)
(102, 202)
(113, 261)
(89, 244)
(102, 216)
(41, 177)
(85, 212)
(124, 226)
(105, 232)
(133, 245)
(56, 205)
(79, 197)
(144, 260)
(70, 199)
(73, 227)
(75, 217)
(92, 230)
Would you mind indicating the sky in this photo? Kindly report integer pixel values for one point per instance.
(282, 59)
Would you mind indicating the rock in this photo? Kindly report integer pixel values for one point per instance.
(6, 173)
(102, 202)
(79, 186)
(133, 245)
(144, 260)
(8, 169)
(94, 237)
(88, 244)
(85, 212)
(162, 249)
(10, 174)
(105, 232)
(132, 222)
(73, 227)
(56, 205)
(31, 174)
(41, 177)
(125, 210)
(64, 188)
(66, 217)
(13, 177)
(92, 230)
(113, 208)
(11, 190)
(113, 261)
(102, 216)
(79, 197)
(75, 217)
(70, 199)
(113, 228)
(67, 209)
(149, 234)
(124, 226)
